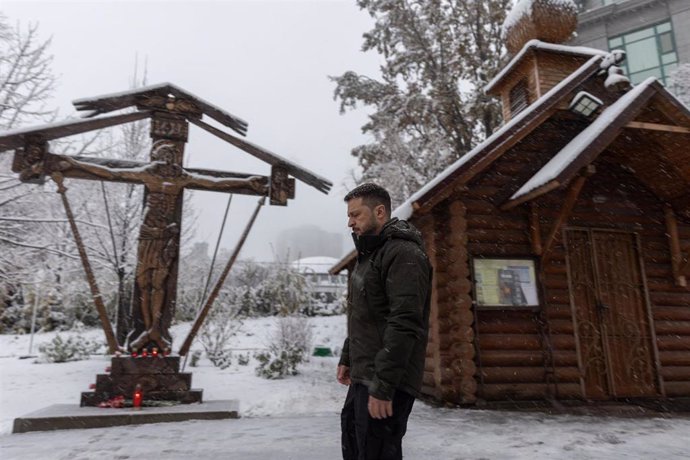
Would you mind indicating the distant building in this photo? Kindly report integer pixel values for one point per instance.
(326, 289)
(655, 34)
(308, 241)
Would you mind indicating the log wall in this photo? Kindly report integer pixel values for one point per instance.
(452, 335)
(524, 354)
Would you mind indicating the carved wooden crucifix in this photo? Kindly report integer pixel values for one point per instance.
(170, 109)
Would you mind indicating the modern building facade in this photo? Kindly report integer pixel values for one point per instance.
(655, 34)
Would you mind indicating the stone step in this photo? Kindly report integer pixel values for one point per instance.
(94, 398)
(125, 384)
(126, 365)
(70, 416)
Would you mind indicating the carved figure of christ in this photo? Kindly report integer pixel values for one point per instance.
(158, 248)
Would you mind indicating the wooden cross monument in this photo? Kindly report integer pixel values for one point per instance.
(170, 109)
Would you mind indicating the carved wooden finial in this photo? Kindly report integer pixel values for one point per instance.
(552, 21)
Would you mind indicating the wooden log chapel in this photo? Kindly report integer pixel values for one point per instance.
(561, 243)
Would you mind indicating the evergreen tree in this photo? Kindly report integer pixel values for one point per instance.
(429, 107)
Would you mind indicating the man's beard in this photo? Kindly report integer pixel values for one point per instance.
(371, 228)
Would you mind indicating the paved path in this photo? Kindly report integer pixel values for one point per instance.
(434, 434)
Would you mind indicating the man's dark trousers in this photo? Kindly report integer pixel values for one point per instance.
(366, 438)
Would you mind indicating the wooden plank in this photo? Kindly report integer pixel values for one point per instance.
(676, 373)
(657, 127)
(674, 358)
(527, 391)
(674, 389)
(308, 177)
(571, 199)
(535, 230)
(673, 343)
(674, 243)
(17, 138)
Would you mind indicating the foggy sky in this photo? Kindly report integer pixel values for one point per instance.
(266, 62)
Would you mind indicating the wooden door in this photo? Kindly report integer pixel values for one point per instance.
(610, 310)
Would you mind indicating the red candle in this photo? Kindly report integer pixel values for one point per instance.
(154, 353)
(144, 353)
(138, 396)
(134, 353)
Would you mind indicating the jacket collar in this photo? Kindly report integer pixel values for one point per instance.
(366, 244)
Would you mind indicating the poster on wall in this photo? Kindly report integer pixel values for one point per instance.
(505, 283)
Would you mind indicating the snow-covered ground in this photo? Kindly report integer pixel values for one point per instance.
(298, 417)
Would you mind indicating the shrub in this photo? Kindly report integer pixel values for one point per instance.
(243, 360)
(289, 347)
(222, 323)
(221, 358)
(75, 348)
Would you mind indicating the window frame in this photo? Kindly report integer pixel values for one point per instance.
(661, 69)
(477, 285)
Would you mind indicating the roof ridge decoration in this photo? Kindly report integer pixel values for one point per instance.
(553, 21)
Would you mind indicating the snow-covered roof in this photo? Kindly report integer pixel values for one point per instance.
(405, 210)
(538, 44)
(582, 141)
(318, 264)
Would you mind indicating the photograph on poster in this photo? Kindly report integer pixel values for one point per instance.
(505, 283)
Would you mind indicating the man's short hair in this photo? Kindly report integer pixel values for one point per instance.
(372, 195)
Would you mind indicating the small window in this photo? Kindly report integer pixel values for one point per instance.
(505, 283)
(518, 97)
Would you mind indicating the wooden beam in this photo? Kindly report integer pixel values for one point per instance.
(535, 230)
(16, 138)
(677, 262)
(319, 183)
(198, 322)
(546, 188)
(657, 127)
(568, 205)
(684, 268)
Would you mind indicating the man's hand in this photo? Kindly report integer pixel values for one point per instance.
(379, 408)
(344, 375)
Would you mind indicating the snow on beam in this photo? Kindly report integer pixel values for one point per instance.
(116, 101)
(306, 176)
(16, 138)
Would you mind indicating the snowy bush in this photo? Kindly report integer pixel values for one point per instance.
(221, 359)
(75, 348)
(243, 360)
(222, 323)
(289, 347)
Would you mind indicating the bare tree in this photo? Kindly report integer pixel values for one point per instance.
(26, 78)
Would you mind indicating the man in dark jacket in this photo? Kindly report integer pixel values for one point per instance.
(388, 322)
